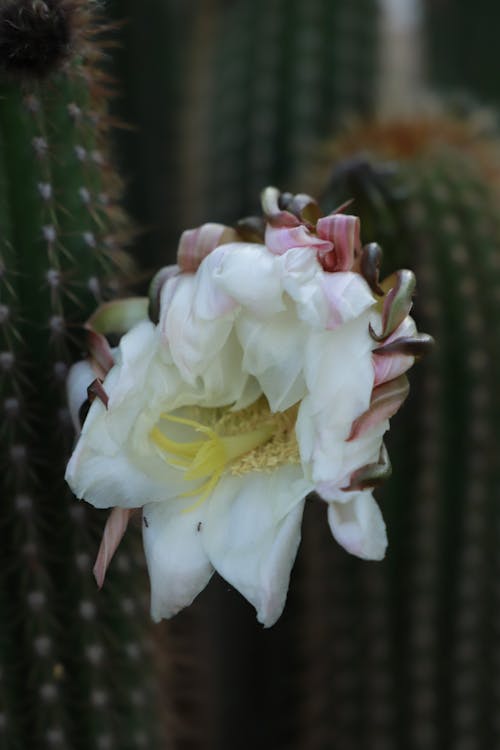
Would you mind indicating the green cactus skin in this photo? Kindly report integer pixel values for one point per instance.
(75, 665)
(461, 40)
(266, 81)
(402, 653)
(230, 97)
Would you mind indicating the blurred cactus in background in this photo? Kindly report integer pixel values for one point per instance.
(404, 654)
(73, 666)
(229, 97)
(461, 46)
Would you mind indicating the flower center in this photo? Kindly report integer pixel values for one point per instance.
(253, 439)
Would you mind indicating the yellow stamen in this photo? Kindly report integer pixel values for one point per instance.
(229, 444)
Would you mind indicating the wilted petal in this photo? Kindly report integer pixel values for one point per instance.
(397, 303)
(279, 240)
(115, 528)
(391, 361)
(358, 526)
(251, 534)
(385, 402)
(178, 566)
(196, 244)
(343, 232)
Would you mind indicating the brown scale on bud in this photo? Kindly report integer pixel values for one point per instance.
(36, 36)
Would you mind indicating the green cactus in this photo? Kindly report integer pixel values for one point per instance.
(461, 54)
(401, 654)
(229, 98)
(73, 663)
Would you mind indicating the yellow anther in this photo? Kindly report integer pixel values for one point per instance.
(236, 441)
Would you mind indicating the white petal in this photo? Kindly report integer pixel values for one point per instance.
(339, 376)
(193, 341)
(353, 455)
(324, 300)
(80, 376)
(358, 526)
(249, 274)
(123, 479)
(115, 463)
(210, 300)
(272, 354)
(178, 566)
(251, 534)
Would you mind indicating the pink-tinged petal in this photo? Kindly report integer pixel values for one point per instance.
(100, 353)
(196, 244)
(347, 295)
(389, 368)
(399, 351)
(343, 232)
(279, 240)
(272, 211)
(115, 528)
(385, 402)
(358, 526)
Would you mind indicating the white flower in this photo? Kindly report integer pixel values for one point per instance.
(258, 385)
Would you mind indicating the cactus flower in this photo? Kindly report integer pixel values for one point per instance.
(270, 373)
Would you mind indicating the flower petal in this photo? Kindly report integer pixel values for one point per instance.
(114, 530)
(358, 526)
(248, 273)
(193, 342)
(178, 566)
(80, 377)
(251, 534)
(343, 232)
(279, 240)
(324, 300)
(270, 349)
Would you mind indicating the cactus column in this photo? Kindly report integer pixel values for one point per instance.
(423, 633)
(73, 670)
